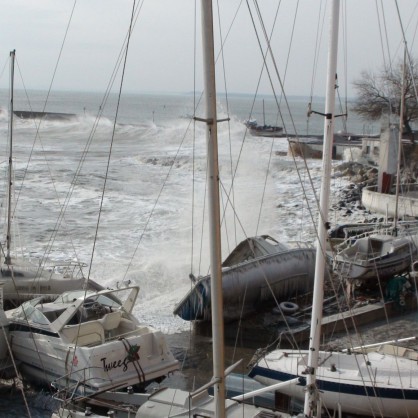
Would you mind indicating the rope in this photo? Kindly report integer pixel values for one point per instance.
(134, 358)
(6, 339)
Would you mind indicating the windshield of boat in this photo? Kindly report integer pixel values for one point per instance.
(29, 311)
(103, 300)
(72, 296)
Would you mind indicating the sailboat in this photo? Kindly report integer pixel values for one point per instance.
(374, 256)
(23, 280)
(270, 131)
(258, 272)
(365, 382)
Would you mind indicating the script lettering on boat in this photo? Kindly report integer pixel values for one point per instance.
(132, 355)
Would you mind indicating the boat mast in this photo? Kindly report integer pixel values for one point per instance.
(9, 197)
(264, 115)
(398, 168)
(214, 209)
(311, 397)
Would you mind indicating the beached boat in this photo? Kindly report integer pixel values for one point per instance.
(258, 272)
(88, 342)
(375, 257)
(381, 381)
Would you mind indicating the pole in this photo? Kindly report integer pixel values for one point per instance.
(214, 208)
(311, 397)
(398, 168)
(10, 180)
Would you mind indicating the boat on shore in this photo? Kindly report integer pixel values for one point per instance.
(88, 342)
(375, 257)
(371, 381)
(258, 272)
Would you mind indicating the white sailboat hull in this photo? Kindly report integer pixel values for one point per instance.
(375, 257)
(375, 384)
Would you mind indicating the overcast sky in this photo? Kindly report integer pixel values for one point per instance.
(161, 52)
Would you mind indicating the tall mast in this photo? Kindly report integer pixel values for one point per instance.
(398, 167)
(311, 397)
(264, 115)
(9, 197)
(214, 209)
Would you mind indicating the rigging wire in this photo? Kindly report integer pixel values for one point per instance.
(42, 265)
(228, 115)
(290, 115)
(109, 157)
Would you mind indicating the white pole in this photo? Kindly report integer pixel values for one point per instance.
(311, 398)
(214, 209)
(9, 197)
(398, 167)
(257, 392)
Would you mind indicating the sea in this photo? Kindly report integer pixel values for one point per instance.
(118, 183)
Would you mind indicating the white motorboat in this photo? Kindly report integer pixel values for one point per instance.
(89, 340)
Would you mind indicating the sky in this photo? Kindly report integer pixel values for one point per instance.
(75, 44)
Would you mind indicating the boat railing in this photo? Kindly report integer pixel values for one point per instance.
(69, 269)
(301, 244)
(353, 233)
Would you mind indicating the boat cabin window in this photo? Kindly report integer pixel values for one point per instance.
(38, 317)
(376, 246)
(53, 315)
(29, 312)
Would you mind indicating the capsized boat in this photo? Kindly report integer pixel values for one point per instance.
(89, 340)
(258, 271)
(376, 256)
(378, 381)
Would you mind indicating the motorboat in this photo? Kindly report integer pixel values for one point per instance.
(376, 381)
(259, 271)
(89, 341)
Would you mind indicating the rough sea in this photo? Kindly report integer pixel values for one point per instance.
(134, 192)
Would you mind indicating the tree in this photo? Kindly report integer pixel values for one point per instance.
(379, 95)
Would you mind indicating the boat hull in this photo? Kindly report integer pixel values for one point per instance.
(348, 381)
(128, 361)
(362, 262)
(250, 285)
